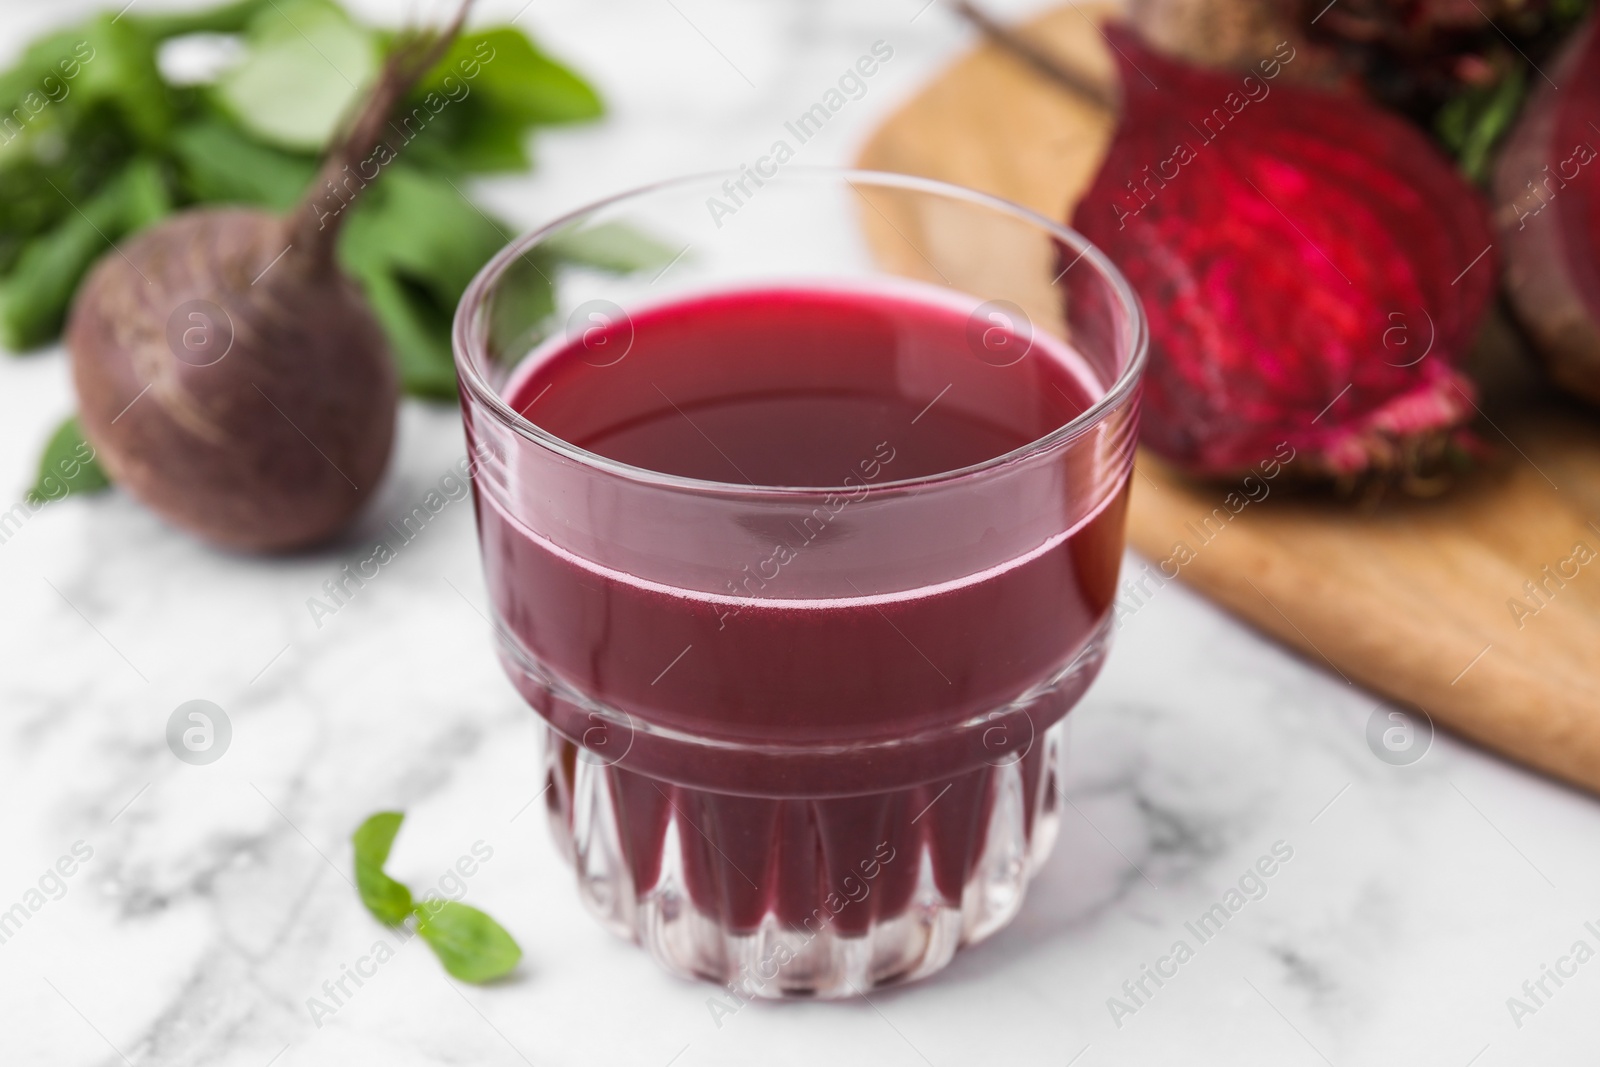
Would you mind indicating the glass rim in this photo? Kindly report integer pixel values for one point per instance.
(469, 342)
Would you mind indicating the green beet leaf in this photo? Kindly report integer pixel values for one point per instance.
(1473, 123)
(103, 62)
(522, 314)
(505, 69)
(374, 839)
(388, 900)
(106, 147)
(469, 137)
(39, 188)
(416, 327)
(219, 163)
(307, 66)
(228, 18)
(29, 205)
(421, 226)
(611, 246)
(68, 466)
(414, 244)
(35, 297)
(472, 946)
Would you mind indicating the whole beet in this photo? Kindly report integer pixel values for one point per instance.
(229, 375)
(258, 417)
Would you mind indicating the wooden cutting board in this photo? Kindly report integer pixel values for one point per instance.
(1411, 598)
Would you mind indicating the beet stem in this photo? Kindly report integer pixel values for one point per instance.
(311, 230)
(1039, 59)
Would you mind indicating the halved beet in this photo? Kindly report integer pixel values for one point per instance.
(1312, 268)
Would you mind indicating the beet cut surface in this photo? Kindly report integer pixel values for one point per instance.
(1312, 268)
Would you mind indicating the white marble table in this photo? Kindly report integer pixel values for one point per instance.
(213, 901)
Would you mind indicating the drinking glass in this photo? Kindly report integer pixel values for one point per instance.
(803, 739)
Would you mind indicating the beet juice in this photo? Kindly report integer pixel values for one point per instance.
(803, 550)
(802, 388)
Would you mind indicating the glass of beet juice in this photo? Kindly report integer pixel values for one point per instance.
(802, 540)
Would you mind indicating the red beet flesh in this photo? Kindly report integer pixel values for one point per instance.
(1312, 268)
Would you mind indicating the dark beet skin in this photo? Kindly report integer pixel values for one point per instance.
(228, 375)
(269, 443)
(1547, 192)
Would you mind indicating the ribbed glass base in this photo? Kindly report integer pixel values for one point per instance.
(805, 897)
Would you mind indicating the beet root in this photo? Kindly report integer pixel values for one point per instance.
(228, 374)
(1312, 269)
(241, 391)
(1547, 195)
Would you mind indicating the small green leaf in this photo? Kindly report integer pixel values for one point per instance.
(387, 899)
(611, 246)
(472, 946)
(374, 839)
(307, 65)
(68, 466)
